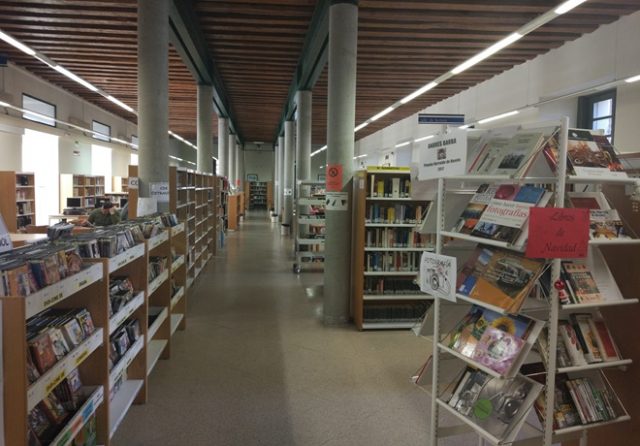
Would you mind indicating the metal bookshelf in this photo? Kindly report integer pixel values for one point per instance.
(309, 225)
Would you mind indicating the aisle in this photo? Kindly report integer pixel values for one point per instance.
(256, 367)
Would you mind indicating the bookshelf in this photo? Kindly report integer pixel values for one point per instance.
(86, 187)
(257, 196)
(18, 200)
(546, 304)
(119, 184)
(386, 224)
(222, 207)
(233, 212)
(310, 225)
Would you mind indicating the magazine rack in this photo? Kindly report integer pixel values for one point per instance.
(444, 314)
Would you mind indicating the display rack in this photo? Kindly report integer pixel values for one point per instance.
(309, 225)
(87, 187)
(387, 298)
(445, 364)
(18, 199)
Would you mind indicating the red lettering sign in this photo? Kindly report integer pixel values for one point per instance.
(558, 233)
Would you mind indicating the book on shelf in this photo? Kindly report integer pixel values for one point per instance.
(393, 286)
(392, 261)
(507, 156)
(395, 213)
(472, 213)
(592, 155)
(604, 222)
(580, 284)
(387, 186)
(396, 238)
(498, 277)
(490, 338)
(494, 404)
(394, 312)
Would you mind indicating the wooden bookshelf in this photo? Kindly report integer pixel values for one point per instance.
(87, 187)
(119, 184)
(18, 199)
(257, 194)
(369, 309)
(233, 212)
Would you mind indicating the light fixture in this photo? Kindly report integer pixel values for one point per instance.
(419, 92)
(403, 144)
(361, 126)
(4, 104)
(495, 118)
(424, 138)
(633, 79)
(384, 112)
(62, 70)
(487, 53)
(568, 6)
(360, 156)
(466, 126)
(321, 149)
(120, 103)
(21, 46)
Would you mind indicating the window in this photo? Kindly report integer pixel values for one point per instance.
(597, 112)
(101, 164)
(134, 159)
(135, 141)
(103, 131)
(40, 155)
(43, 112)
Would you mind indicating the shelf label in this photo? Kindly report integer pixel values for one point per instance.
(438, 275)
(558, 233)
(132, 182)
(443, 156)
(55, 381)
(437, 118)
(159, 191)
(334, 178)
(337, 201)
(5, 238)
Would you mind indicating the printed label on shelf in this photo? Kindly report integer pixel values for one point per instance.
(558, 233)
(334, 177)
(132, 182)
(337, 201)
(438, 275)
(443, 156)
(159, 191)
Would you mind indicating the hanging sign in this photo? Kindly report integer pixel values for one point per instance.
(435, 118)
(558, 233)
(334, 177)
(159, 191)
(132, 182)
(443, 156)
(5, 238)
(337, 201)
(438, 275)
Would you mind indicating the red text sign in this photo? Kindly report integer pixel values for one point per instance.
(334, 177)
(558, 233)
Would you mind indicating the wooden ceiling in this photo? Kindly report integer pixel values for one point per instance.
(255, 45)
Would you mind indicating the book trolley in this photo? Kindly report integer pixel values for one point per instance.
(505, 413)
(309, 225)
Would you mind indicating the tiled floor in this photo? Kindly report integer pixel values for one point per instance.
(256, 367)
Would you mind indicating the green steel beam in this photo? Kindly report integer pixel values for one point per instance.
(188, 39)
(311, 63)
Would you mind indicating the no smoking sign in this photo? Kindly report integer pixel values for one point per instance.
(334, 177)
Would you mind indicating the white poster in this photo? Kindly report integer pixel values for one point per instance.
(438, 275)
(132, 182)
(443, 156)
(159, 191)
(337, 201)
(147, 206)
(5, 237)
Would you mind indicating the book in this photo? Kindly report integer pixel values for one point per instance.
(587, 337)
(490, 156)
(521, 147)
(502, 220)
(607, 224)
(607, 346)
(582, 283)
(571, 343)
(589, 158)
(499, 277)
(42, 352)
(472, 213)
(498, 350)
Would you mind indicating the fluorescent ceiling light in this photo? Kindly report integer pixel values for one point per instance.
(359, 156)
(62, 70)
(495, 118)
(120, 103)
(384, 112)
(321, 149)
(402, 144)
(466, 126)
(487, 52)
(633, 79)
(418, 92)
(424, 138)
(21, 46)
(361, 126)
(4, 104)
(568, 6)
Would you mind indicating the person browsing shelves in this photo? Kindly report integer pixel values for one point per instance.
(105, 215)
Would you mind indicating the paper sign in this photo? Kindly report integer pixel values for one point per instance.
(443, 156)
(5, 238)
(159, 191)
(558, 233)
(438, 275)
(132, 182)
(334, 177)
(337, 201)
(146, 206)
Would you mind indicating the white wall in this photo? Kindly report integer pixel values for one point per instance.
(261, 162)
(609, 53)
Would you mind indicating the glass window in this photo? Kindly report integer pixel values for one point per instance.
(103, 131)
(603, 108)
(134, 140)
(41, 111)
(597, 112)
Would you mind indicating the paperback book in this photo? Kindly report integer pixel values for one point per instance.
(592, 157)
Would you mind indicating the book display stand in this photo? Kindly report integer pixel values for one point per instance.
(309, 225)
(386, 250)
(545, 349)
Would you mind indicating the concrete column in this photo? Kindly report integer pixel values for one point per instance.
(223, 146)
(289, 152)
(276, 180)
(153, 95)
(232, 159)
(280, 209)
(303, 132)
(205, 128)
(240, 166)
(341, 105)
